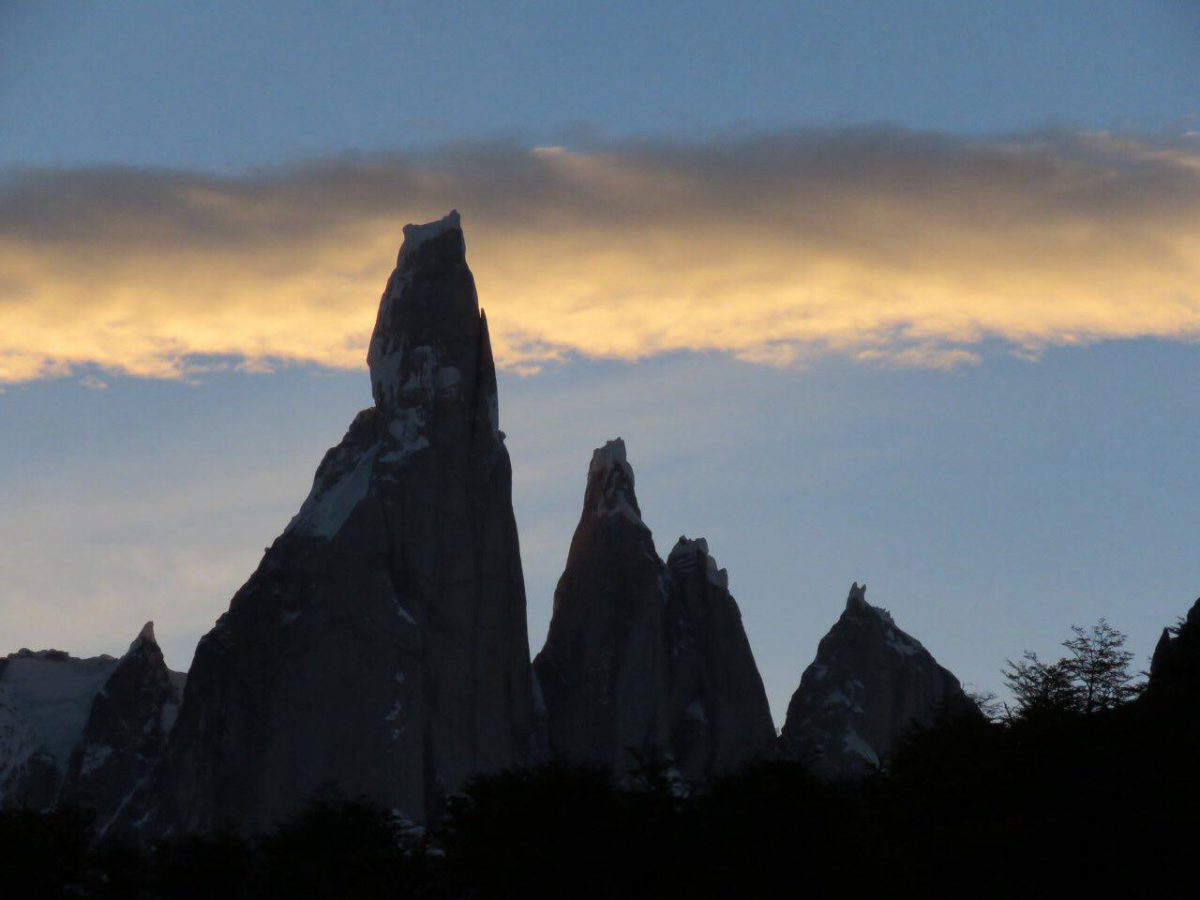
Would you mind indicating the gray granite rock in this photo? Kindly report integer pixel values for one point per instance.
(380, 649)
(869, 683)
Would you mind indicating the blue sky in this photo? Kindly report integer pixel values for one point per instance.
(988, 501)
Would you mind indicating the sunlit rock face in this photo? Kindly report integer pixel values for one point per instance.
(869, 683)
(380, 649)
(643, 657)
(126, 731)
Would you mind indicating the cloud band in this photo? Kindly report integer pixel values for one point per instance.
(885, 245)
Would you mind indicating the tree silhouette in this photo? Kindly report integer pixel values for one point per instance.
(1094, 675)
(1040, 688)
(1098, 666)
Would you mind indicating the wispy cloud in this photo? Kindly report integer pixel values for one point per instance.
(887, 246)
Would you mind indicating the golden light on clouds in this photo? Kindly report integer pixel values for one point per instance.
(886, 246)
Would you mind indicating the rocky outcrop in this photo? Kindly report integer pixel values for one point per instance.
(45, 699)
(869, 683)
(718, 710)
(1175, 666)
(126, 730)
(643, 657)
(380, 649)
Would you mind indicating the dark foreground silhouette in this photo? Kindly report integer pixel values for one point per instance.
(1050, 802)
(1090, 786)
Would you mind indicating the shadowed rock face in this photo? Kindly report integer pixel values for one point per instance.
(641, 656)
(45, 700)
(126, 731)
(718, 708)
(869, 683)
(1175, 666)
(380, 649)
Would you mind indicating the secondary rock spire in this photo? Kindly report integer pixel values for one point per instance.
(641, 656)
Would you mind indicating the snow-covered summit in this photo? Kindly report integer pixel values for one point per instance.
(611, 483)
(416, 235)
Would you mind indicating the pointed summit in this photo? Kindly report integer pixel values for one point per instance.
(857, 599)
(869, 682)
(126, 731)
(145, 636)
(610, 483)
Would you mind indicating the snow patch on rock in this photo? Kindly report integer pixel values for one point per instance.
(327, 509)
(610, 467)
(52, 694)
(853, 742)
(416, 235)
(407, 429)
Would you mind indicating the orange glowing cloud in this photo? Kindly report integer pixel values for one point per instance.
(887, 246)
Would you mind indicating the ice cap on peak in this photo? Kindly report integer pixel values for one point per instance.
(610, 482)
(416, 235)
(612, 453)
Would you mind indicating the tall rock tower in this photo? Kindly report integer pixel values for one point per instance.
(380, 649)
(642, 656)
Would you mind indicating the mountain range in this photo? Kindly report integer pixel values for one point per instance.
(380, 649)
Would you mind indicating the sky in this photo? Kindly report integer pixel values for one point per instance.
(900, 293)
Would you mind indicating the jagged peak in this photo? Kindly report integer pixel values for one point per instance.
(407, 353)
(857, 601)
(145, 636)
(416, 235)
(611, 454)
(611, 482)
(687, 554)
